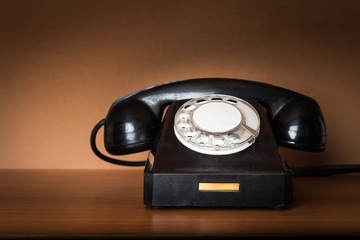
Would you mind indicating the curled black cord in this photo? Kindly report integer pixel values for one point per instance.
(105, 158)
(326, 170)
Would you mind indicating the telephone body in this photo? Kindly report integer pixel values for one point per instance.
(213, 141)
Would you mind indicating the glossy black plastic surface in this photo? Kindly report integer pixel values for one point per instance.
(300, 125)
(130, 127)
(173, 172)
(143, 111)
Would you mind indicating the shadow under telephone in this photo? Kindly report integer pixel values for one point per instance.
(217, 142)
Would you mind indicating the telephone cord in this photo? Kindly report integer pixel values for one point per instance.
(106, 158)
(325, 170)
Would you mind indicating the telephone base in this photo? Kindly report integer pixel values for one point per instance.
(176, 176)
(182, 190)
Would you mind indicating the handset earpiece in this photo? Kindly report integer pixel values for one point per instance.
(299, 124)
(130, 127)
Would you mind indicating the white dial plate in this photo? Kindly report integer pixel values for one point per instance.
(217, 117)
(217, 124)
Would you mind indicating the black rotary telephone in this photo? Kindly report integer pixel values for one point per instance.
(213, 141)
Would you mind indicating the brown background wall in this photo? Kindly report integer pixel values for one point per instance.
(63, 63)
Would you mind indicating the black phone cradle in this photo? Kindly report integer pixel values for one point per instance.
(174, 175)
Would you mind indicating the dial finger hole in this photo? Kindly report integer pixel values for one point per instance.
(189, 107)
(218, 141)
(184, 115)
(234, 138)
(216, 99)
(183, 125)
(190, 134)
(231, 101)
(200, 101)
(203, 138)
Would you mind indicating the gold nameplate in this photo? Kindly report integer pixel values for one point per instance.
(219, 186)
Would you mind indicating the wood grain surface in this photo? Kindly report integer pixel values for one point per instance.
(109, 203)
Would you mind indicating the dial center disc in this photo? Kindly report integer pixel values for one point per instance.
(217, 117)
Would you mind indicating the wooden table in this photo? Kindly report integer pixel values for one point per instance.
(109, 203)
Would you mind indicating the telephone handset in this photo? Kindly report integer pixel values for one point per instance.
(219, 133)
(133, 121)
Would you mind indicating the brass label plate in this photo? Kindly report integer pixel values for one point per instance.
(203, 186)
